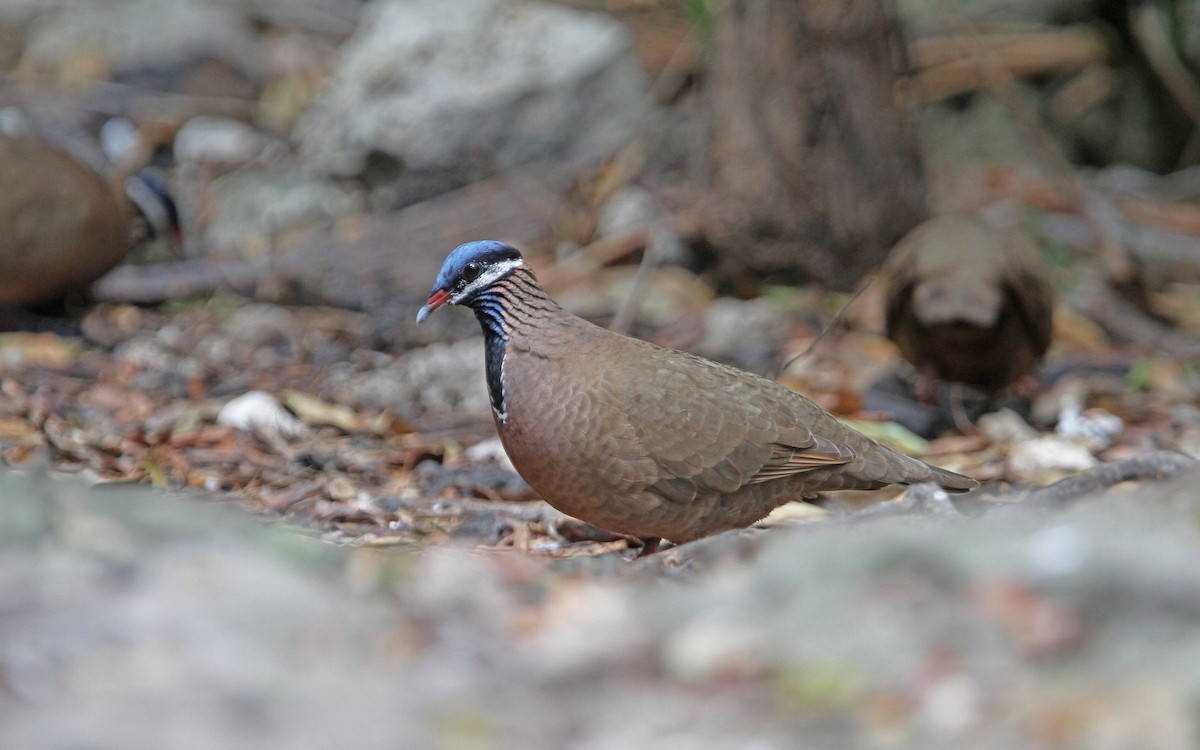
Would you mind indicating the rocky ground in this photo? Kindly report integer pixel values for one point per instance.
(134, 618)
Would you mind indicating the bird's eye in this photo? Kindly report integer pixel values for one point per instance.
(471, 271)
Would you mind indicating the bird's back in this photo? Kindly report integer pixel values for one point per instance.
(969, 302)
(61, 224)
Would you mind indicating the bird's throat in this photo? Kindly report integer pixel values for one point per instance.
(495, 344)
(513, 304)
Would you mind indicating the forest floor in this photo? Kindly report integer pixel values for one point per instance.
(454, 609)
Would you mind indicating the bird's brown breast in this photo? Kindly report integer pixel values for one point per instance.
(61, 224)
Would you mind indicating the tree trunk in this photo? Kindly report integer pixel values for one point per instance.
(811, 149)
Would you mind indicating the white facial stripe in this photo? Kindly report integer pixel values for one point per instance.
(490, 276)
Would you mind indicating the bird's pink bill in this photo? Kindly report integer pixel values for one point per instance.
(436, 300)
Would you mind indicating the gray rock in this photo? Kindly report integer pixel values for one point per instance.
(1048, 458)
(982, 130)
(255, 326)
(431, 95)
(1005, 426)
(441, 378)
(630, 208)
(248, 208)
(745, 332)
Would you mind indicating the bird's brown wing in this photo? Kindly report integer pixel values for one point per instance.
(786, 460)
(706, 428)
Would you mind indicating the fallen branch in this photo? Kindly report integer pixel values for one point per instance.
(947, 68)
(1156, 465)
(147, 284)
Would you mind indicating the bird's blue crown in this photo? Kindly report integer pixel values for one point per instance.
(480, 250)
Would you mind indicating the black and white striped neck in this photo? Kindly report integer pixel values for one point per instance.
(512, 304)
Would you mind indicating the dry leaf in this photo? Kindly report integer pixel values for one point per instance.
(315, 412)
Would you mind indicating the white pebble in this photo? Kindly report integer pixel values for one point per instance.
(1032, 460)
(259, 411)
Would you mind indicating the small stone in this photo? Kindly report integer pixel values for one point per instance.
(630, 208)
(1096, 428)
(261, 325)
(258, 411)
(490, 449)
(341, 489)
(1048, 458)
(436, 378)
(250, 207)
(219, 139)
(747, 333)
(430, 95)
(140, 34)
(1005, 426)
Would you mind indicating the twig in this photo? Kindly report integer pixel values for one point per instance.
(946, 69)
(147, 284)
(659, 240)
(111, 97)
(958, 410)
(828, 329)
(629, 161)
(1156, 465)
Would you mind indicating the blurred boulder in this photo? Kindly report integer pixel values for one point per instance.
(249, 209)
(429, 96)
(439, 378)
(747, 333)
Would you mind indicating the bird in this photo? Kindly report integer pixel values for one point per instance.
(968, 302)
(641, 440)
(63, 224)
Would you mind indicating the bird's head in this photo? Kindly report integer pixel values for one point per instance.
(469, 271)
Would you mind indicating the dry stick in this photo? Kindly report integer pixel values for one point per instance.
(592, 257)
(1099, 215)
(1157, 465)
(945, 70)
(958, 410)
(828, 329)
(631, 159)
(1151, 37)
(108, 96)
(180, 279)
(659, 239)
